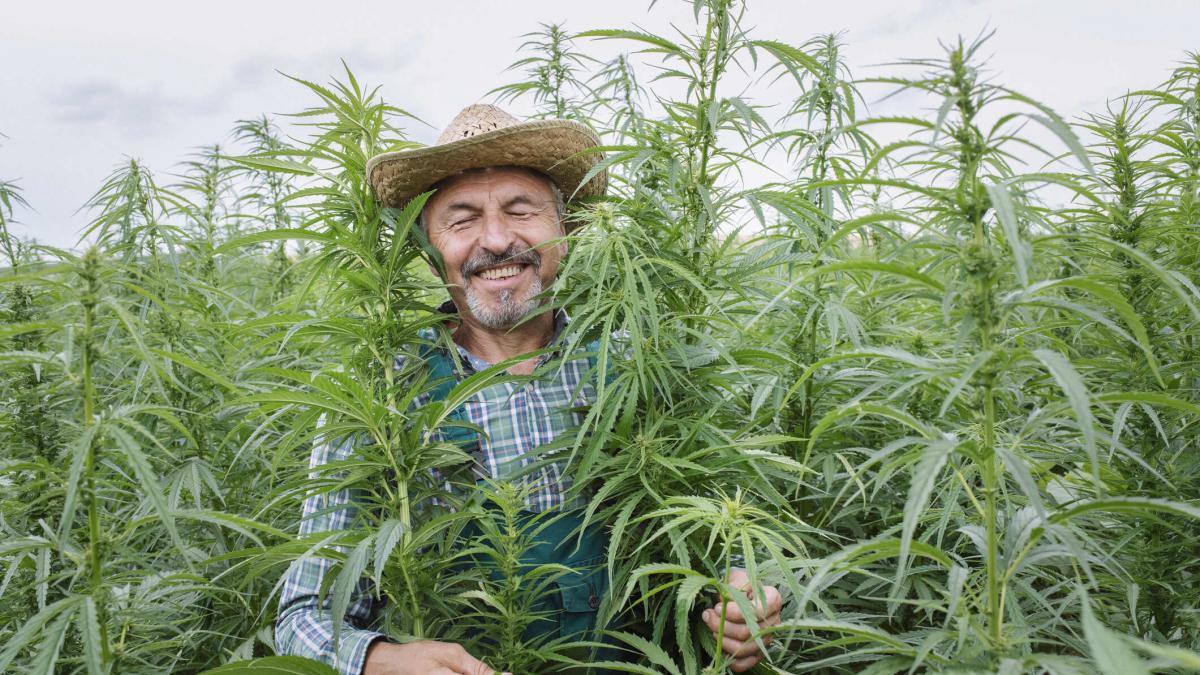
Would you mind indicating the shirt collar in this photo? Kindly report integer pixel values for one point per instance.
(476, 364)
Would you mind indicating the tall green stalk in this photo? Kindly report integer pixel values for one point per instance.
(979, 264)
(554, 79)
(89, 274)
(713, 54)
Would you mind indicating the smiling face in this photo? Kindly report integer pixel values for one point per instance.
(494, 229)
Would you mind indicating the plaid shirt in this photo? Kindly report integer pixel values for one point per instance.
(516, 419)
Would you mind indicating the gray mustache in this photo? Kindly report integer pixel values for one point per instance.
(485, 259)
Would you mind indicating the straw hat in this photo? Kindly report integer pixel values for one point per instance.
(483, 135)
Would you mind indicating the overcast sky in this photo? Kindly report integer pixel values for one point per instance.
(84, 84)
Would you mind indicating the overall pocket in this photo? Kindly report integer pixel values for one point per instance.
(580, 594)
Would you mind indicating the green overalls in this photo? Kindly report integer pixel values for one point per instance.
(571, 608)
(568, 610)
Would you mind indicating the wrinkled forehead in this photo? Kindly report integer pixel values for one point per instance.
(504, 186)
(503, 179)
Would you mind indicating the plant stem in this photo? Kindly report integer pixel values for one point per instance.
(710, 61)
(820, 174)
(90, 298)
(719, 653)
(990, 490)
(980, 265)
(414, 604)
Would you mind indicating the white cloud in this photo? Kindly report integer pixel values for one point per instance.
(87, 83)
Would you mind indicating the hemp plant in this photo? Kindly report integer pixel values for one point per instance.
(1129, 210)
(89, 581)
(651, 280)
(620, 94)
(10, 198)
(934, 377)
(553, 76)
(511, 598)
(1179, 137)
(814, 224)
(359, 394)
(31, 425)
(1016, 400)
(130, 207)
(267, 194)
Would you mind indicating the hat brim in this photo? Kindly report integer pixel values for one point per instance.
(557, 148)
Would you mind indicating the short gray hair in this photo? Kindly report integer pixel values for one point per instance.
(560, 204)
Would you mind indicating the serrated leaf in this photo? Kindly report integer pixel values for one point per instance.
(1109, 653)
(274, 665)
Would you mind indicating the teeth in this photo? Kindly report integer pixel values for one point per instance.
(501, 272)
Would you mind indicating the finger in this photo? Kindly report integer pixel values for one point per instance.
(733, 629)
(462, 662)
(745, 663)
(774, 601)
(741, 631)
(773, 608)
(473, 666)
(738, 578)
(734, 613)
(738, 648)
(769, 622)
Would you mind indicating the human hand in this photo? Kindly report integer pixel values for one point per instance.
(738, 643)
(424, 657)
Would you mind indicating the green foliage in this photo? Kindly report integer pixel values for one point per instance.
(941, 391)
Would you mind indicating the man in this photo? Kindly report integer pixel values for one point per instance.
(496, 221)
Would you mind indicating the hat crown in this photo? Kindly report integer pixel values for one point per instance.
(483, 135)
(474, 120)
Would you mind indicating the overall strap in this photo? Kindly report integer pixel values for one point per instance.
(443, 378)
(441, 371)
(593, 351)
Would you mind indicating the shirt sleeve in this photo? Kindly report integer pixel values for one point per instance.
(305, 624)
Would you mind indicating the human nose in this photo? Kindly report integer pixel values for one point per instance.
(496, 236)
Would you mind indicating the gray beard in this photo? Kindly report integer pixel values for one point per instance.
(508, 311)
